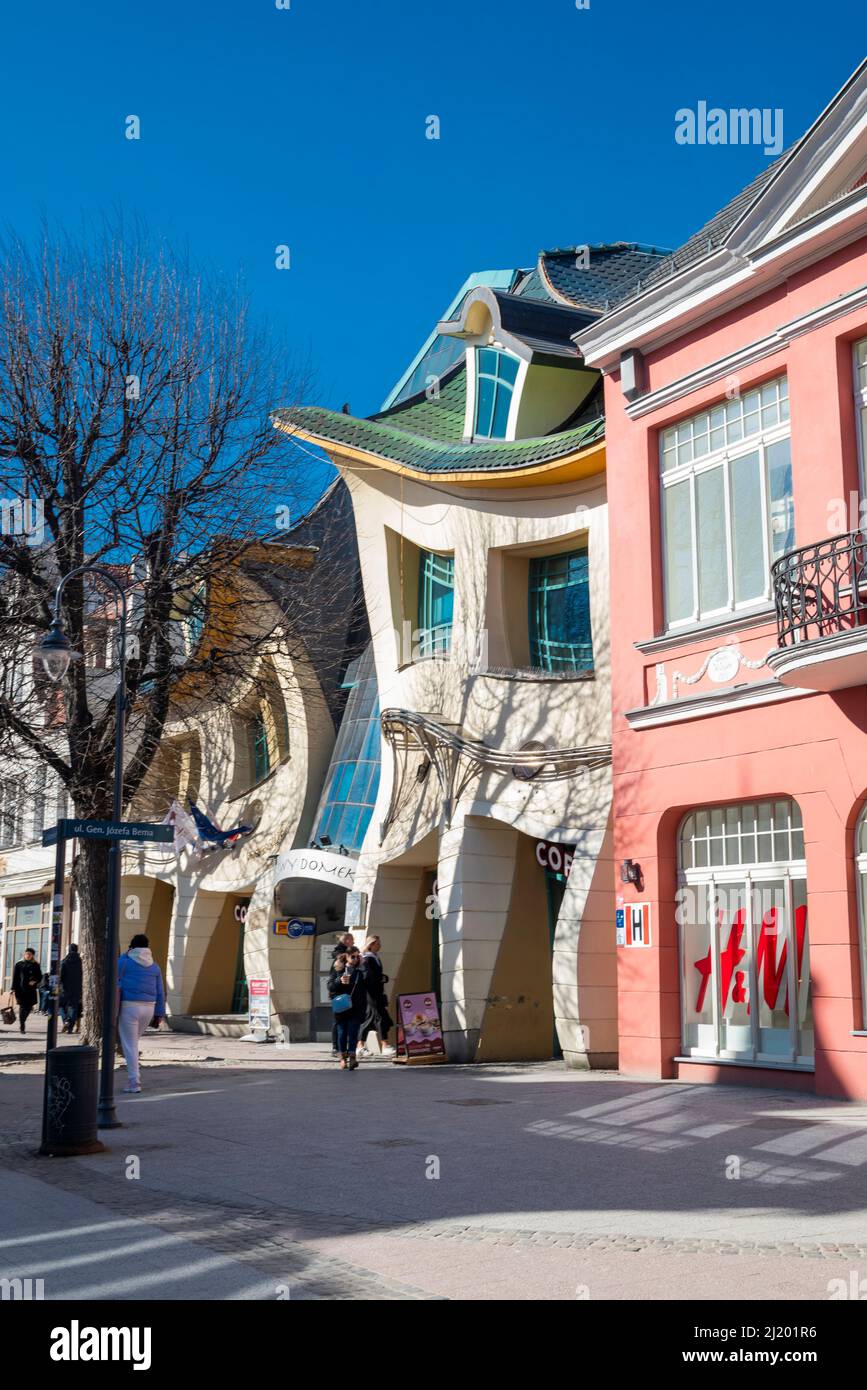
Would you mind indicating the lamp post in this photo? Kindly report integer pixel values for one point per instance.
(55, 653)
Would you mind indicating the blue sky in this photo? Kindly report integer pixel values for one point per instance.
(306, 127)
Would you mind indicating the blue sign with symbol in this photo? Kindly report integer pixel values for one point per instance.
(297, 928)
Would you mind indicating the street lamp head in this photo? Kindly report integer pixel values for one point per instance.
(55, 653)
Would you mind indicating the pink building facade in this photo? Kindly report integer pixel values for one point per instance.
(736, 406)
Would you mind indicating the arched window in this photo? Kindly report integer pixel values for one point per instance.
(496, 374)
(861, 866)
(742, 915)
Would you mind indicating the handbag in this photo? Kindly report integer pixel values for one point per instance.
(7, 1013)
(341, 1002)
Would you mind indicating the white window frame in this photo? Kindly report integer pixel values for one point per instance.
(750, 875)
(861, 869)
(859, 349)
(723, 457)
(12, 808)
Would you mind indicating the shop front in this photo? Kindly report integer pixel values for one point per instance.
(742, 912)
(27, 926)
(310, 887)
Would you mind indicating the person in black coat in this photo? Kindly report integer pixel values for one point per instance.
(25, 982)
(377, 1019)
(345, 942)
(348, 978)
(71, 989)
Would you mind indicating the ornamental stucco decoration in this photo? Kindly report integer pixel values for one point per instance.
(720, 666)
(457, 759)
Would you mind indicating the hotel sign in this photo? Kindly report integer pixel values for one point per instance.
(316, 863)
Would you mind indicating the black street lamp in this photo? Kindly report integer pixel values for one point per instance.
(55, 652)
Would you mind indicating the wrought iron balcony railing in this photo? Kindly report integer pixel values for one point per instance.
(820, 590)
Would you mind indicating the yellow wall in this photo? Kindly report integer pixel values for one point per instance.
(519, 1017)
(216, 979)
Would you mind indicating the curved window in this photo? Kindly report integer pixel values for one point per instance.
(742, 914)
(352, 783)
(559, 598)
(436, 603)
(496, 373)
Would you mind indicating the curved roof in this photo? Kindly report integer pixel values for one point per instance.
(610, 273)
(379, 438)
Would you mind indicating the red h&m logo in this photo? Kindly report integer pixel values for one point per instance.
(770, 966)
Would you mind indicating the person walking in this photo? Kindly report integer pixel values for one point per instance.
(25, 981)
(141, 998)
(45, 994)
(71, 989)
(347, 982)
(377, 1019)
(345, 942)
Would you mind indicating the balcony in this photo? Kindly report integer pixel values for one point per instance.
(820, 592)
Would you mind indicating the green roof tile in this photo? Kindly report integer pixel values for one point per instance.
(383, 439)
(439, 418)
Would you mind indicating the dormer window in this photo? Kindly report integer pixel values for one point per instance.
(496, 373)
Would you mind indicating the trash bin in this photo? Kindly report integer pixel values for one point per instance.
(71, 1096)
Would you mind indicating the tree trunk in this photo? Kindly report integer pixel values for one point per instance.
(91, 886)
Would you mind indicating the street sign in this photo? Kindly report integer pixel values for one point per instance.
(108, 830)
(295, 927)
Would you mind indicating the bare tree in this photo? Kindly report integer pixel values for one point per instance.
(135, 433)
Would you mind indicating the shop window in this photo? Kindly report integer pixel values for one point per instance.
(496, 373)
(26, 926)
(727, 504)
(742, 916)
(559, 604)
(436, 603)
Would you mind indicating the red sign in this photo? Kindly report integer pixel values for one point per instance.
(770, 966)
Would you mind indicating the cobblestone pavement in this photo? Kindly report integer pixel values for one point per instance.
(314, 1184)
(254, 1237)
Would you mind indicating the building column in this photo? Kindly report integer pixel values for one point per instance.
(474, 878)
(584, 966)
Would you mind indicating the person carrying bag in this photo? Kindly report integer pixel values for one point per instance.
(349, 1004)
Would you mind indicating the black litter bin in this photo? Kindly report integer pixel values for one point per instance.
(71, 1096)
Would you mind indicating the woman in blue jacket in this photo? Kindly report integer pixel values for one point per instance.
(142, 999)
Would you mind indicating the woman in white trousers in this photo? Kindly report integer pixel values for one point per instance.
(141, 998)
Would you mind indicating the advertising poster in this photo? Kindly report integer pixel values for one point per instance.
(419, 1030)
(260, 1003)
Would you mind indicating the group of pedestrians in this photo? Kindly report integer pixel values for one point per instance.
(30, 985)
(141, 997)
(356, 986)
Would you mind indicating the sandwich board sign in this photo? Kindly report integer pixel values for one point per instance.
(419, 1029)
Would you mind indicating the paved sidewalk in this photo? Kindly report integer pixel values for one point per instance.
(268, 1180)
(162, 1044)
